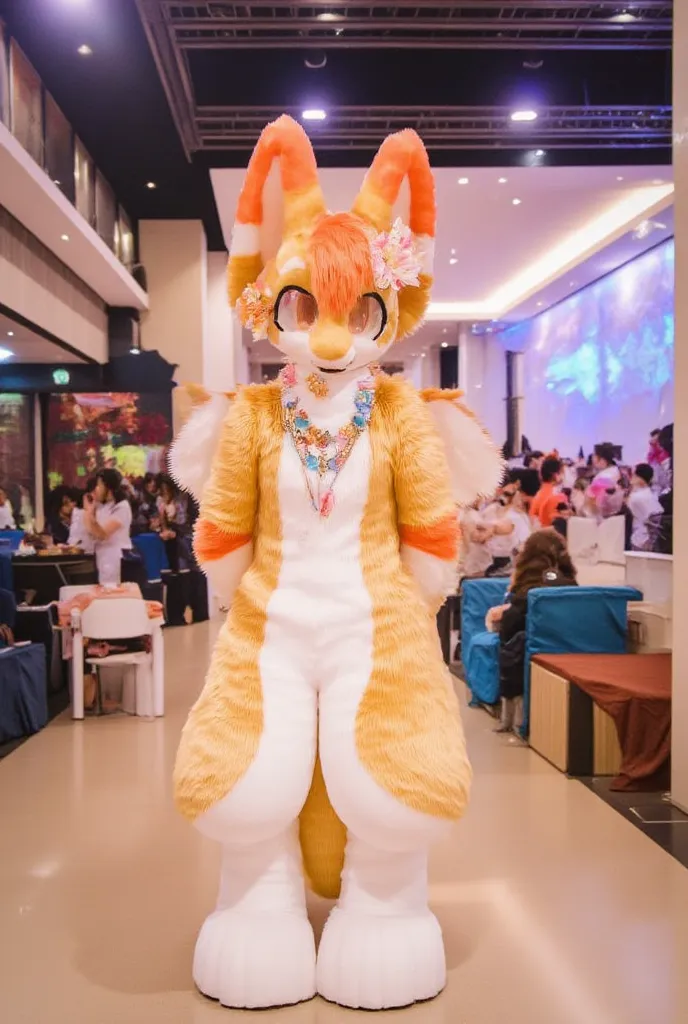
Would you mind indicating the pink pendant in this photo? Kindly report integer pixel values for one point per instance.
(326, 503)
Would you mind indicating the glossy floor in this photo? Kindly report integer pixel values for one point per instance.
(555, 909)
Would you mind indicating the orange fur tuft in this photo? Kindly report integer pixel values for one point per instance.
(399, 155)
(340, 263)
(210, 542)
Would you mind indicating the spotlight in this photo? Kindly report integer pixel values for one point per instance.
(539, 152)
(151, 184)
(502, 181)
(134, 351)
(314, 114)
(10, 334)
(65, 238)
(463, 181)
(329, 16)
(624, 17)
(85, 50)
(524, 115)
(515, 202)
(445, 344)
(452, 261)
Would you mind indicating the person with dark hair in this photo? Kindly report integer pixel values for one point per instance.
(60, 522)
(604, 496)
(174, 525)
(544, 504)
(533, 460)
(79, 537)
(642, 503)
(107, 517)
(543, 562)
(147, 516)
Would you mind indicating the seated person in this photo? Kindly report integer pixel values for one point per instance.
(475, 555)
(61, 521)
(146, 513)
(6, 513)
(642, 503)
(174, 524)
(544, 504)
(543, 562)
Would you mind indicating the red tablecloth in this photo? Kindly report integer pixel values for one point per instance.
(635, 689)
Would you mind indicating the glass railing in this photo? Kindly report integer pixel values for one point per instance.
(38, 124)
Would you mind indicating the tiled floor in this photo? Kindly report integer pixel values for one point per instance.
(555, 909)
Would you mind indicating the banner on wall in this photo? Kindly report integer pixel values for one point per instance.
(120, 430)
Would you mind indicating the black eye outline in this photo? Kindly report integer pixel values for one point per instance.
(290, 288)
(381, 304)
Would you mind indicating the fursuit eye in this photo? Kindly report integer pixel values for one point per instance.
(368, 318)
(295, 310)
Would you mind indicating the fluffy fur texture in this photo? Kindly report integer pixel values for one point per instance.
(340, 263)
(193, 450)
(475, 465)
(401, 155)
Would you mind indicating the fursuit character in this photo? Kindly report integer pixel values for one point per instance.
(326, 747)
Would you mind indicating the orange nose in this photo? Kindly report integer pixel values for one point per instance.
(330, 341)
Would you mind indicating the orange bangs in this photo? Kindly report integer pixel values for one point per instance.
(339, 262)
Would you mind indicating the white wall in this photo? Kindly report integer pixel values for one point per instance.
(222, 331)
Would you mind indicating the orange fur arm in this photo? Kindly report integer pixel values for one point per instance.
(228, 508)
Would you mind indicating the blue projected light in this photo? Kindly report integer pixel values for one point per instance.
(603, 359)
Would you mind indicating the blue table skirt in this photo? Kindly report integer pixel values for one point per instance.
(23, 698)
(11, 539)
(152, 550)
(6, 574)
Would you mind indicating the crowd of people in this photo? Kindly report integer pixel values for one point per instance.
(546, 490)
(521, 533)
(102, 518)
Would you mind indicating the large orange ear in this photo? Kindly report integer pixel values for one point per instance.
(303, 203)
(403, 156)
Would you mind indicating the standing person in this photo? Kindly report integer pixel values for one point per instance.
(546, 501)
(107, 517)
(79, 537)
(147, 517)
(642, 503)
(173, 522)
(60, 523)
(510, 525)
(543, 562)
(6, 513)
(605, 497)
(533, 460)
(660, 461)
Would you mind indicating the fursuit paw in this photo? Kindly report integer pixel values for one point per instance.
(255, 961)
(379, 963)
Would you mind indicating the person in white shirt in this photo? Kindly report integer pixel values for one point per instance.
(107, 518)
(79, 537)
(643, 503)
(475, 556)
(6, 513)
(508, 522)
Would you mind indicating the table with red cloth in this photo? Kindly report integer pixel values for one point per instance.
(635, 690)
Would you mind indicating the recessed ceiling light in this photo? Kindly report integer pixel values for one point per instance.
(572, 284)
(423, 354)
(524, 115)
(658, 181)
(463, 181)
(85, 50)
(502, 181)
(452, 261)
(315, 114)
(5, 353)
(445, 330)
(65, 238)
(516, 202)
(539, 304)
(619, 177)
(452, 252)
(151, 184)
(445, 344)
(10, 334)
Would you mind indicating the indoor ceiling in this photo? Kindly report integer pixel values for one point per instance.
(26, 346)
(168, 82)
(505, 234)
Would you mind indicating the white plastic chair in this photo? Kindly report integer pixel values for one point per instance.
(119, 619)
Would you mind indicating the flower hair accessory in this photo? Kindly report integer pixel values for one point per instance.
(254, 310)
(396, 263)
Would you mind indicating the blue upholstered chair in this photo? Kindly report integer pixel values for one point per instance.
(561, 620)
(23, 694)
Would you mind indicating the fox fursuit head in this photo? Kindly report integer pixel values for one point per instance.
(326, 748)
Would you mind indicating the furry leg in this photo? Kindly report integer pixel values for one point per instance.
(382, 947)
(257, 949)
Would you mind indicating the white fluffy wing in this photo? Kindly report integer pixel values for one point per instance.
(475, 464)
(192, 451)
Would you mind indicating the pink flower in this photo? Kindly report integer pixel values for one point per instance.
(288, 376)
(396, 263)
(254, 310)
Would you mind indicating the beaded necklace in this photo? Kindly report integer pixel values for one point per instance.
(323, 455)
